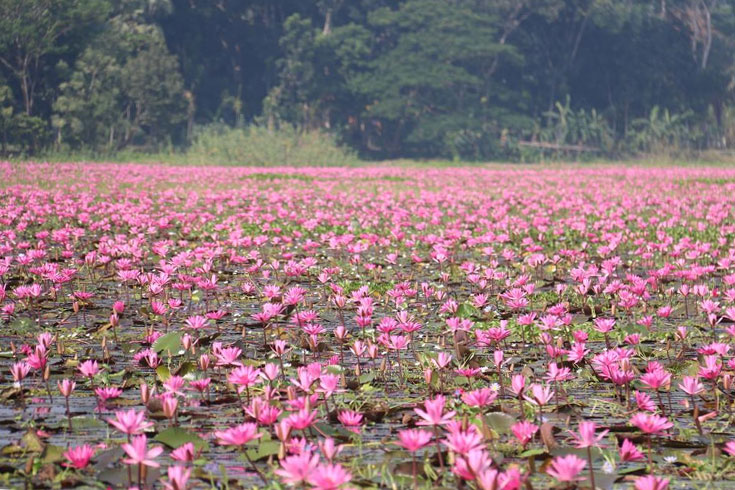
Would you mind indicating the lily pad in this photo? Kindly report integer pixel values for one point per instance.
(467, 311)
(170, 342)
(31, 442)
(118, 477)
(264, 449)
(163, 373)
(175, 437)
(500, 422)
(529, 453)
(52, 454)
(187, 370)
(85, 423)
(581, 453)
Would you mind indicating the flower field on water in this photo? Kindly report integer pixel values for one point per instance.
(377, 327)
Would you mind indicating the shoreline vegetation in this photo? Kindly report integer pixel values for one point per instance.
(288, 80)
(257, 146)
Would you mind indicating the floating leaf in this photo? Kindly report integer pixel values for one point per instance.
(170, 342)
(187, 368)
(118, 374)
(334, 369)
(52, 454)
(467, 311)
(632, 470)
(86, 423)
(21, 324)
(175, 437)
(264, 449)
(118, 477)
(208, 339)
(108, 457)
(163, 372)
(9, 393)
(31, 442)
(500, 422)
(581, 453)
(529, 453)
(11, 449)
(604, 480)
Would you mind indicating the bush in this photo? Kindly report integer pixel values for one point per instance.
(259, 146)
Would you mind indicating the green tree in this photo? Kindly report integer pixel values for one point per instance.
(314, 74)
(432, 76)
(153, 87)
(31, 30)
(126, 88)
(6, 116)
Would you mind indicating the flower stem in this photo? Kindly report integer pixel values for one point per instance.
(592, 473)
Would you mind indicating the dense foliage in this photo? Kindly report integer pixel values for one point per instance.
(471, 79)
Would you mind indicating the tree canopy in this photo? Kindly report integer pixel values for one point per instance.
(470, 79)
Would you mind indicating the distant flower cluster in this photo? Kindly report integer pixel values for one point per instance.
(484, 328)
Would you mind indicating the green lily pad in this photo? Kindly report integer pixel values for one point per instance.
(118, 477)
(467, 311)
(581, 453)
(163, 372)
(632, 470)
(175, 437)
(52, 454)
(187, 368)
(31, 442)
(108, 457)
(500, 422)
(170, 342)
(85, 423)
(264, 449)
(334, 369)
(528, 453)
(603, 480)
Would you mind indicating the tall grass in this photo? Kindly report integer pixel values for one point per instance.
(259, 146)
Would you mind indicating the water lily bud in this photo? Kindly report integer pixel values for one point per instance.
(118, 307)
(283, 430)
(498, 357)
(186, 341)
(271, 371)
(170, 403)
(145, 393)
(204, 362)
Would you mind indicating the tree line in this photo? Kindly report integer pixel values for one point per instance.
(468, 79)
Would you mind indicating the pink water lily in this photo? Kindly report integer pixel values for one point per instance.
(298, 468)
(567, 468)
(238, 435)
(138, 452)
(130, 421)
(461, 322)
(78, 457)
(434, 415)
